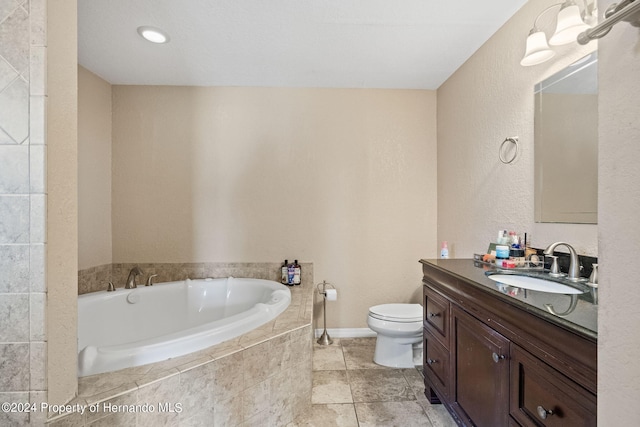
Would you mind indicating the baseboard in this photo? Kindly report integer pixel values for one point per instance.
(347, 333)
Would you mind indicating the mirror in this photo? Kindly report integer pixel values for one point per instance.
(566, 144)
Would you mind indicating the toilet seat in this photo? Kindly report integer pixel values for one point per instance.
(402, 313)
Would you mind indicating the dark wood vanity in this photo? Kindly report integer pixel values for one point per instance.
(497, 357)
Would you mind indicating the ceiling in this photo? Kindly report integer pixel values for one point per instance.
(413, 44)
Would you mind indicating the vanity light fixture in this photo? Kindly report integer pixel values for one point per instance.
(153, 34)
(626, 10)
(538, 50)
(569, 23)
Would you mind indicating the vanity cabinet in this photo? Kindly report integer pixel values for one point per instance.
(481, 374)
(495, 364)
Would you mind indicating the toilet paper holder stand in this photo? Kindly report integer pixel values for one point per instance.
(324, 339)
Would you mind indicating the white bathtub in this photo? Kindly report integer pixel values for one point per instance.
(132, 327)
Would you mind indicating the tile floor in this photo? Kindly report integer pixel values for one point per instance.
(350, 390)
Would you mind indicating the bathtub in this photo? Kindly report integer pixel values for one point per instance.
(132, 327)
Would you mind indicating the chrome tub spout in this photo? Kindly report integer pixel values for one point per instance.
(131, 280)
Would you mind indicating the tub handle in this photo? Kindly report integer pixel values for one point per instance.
(149, 282)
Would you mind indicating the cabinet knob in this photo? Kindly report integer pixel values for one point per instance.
(497, 357)
(431, 361)
(543, 413)
(434, 314)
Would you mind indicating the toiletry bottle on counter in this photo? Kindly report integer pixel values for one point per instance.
(502, 255)
(444, 251)
(297, 272)
(514, 240)
(284, 270)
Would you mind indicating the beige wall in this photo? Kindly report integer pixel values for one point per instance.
(341, 178)
(94, 170)
(485, 101)
(619, 229)
(62, 219)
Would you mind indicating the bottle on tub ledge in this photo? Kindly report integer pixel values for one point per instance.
(297, 273)
(291, 273)
(284, 272)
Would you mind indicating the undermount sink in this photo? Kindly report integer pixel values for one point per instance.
(534, 284)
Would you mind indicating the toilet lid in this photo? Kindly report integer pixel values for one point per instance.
(397, 312)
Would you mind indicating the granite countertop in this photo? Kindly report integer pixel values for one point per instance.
(583, 320)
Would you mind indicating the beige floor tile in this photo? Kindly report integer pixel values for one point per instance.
(360, 357)
(384, 397)
(391, 414)
(415, 380)
(377, 385)
(334, 415)
(330, 387)
(328, 358)
(437, 413)
(367, 341)
(440, 417)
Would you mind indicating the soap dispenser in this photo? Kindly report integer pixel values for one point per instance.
(444, 251)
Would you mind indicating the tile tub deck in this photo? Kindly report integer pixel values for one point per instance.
(262, 377)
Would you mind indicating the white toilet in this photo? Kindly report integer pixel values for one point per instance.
(399, 329)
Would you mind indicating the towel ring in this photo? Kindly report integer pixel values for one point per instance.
(514, 141)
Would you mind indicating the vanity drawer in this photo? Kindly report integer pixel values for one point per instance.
(436, 315)
(540, 395)
(436, 365)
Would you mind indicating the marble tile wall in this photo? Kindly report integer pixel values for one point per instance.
(22, 206)
(97, 278)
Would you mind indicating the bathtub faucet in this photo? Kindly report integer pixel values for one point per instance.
(131, 280)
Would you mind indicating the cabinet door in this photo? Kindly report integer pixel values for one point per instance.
(481, 372)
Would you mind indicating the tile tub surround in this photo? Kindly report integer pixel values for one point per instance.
(262, 377)
(23, 341)
(350, 390)
(96, 278)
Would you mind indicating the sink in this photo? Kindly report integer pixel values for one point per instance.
(534, 284)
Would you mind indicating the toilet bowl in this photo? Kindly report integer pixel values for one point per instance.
(399, 334)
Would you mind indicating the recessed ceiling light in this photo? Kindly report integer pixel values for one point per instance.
(154, 35)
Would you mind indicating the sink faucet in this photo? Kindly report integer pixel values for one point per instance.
(574, 263)
(131, 280)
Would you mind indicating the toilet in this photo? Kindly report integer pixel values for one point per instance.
(399, 329)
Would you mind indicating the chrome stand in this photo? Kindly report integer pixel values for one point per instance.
(324, 339)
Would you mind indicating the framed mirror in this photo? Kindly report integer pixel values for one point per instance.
(566, 144)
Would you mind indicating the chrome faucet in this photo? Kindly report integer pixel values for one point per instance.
(574, 263)
(150, 280)
(131, 280)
